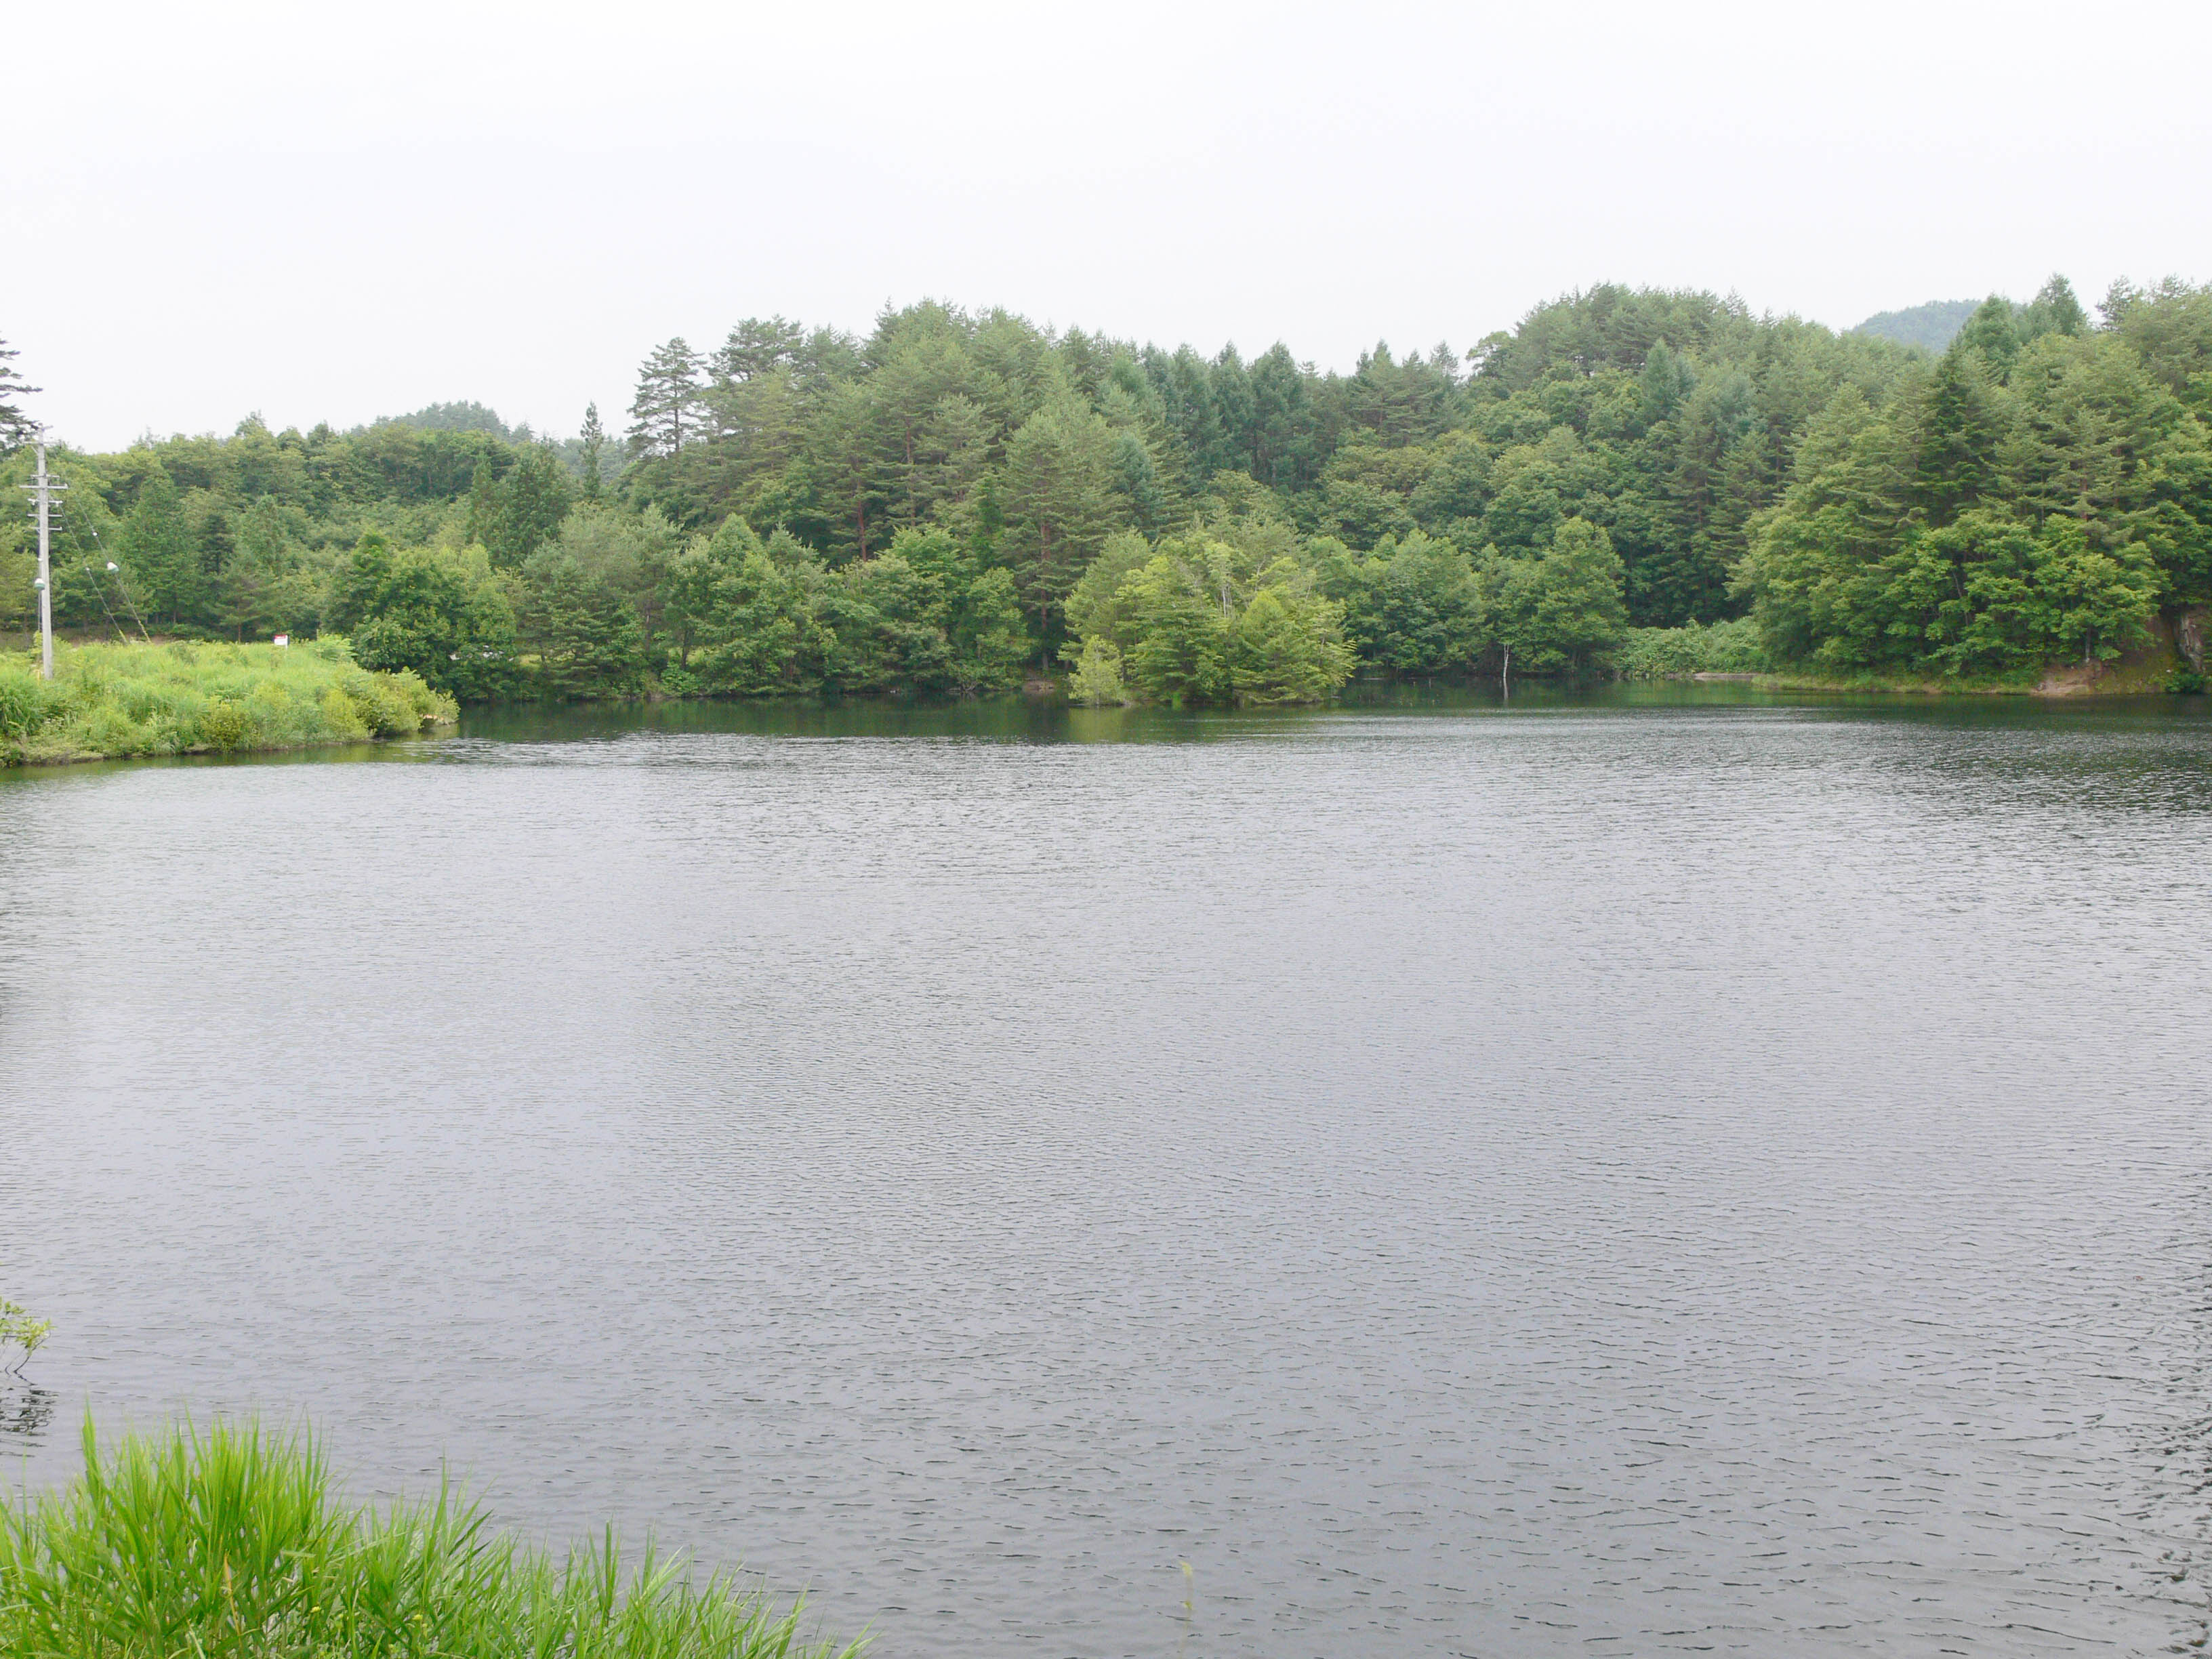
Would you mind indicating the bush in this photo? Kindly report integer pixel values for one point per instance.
(109, 730)
(1097, 678)
(109, 700)
(1676, 653)
(224, 725)
(233, 1545)
(341, 718)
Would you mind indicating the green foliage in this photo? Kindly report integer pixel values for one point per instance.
(751, 618)
(1175, 634)
(1288, 647)
(925, 509)
(583, 629)
(183, 698)
(512, 515)
(19, 1329)
(1411, 607)
(1097, 679)
(438, 613)
(1674, 654)
(1058, 501)
(233, 1545)
(1982, 523)
(27, 701)
(1562, 612)
(1209, 618)
(15, 427)
(456, 417)
(923, 617)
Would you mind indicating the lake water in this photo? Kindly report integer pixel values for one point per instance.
(1674, 1172)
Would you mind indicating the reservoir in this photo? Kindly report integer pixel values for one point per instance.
(1675, 1170)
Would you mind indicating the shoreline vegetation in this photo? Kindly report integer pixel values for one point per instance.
(199, 698)
(1629, 484)
(191, 697)
(233, 1544)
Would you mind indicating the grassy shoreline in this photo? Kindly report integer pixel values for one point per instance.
(119, 701)
(234, 1545)
(2142, 675)
(1732, 651)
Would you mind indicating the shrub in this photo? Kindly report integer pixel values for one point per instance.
(223, 725)
(1674, 654)
(1097, 678)
(341, 718)
(384, 702)
(109, 731)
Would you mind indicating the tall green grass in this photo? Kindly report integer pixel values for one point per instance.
(189, 698)
(231, 1545)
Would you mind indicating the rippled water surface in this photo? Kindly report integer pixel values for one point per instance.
(1641, 1176)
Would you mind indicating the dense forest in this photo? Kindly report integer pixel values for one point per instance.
(957, 500)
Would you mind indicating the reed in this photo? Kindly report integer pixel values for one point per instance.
(232, 1545)
(192, 697)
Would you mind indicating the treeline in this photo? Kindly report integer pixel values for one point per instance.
(958, 499)
(2043, 489)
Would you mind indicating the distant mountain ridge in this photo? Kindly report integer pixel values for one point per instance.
(1930, 327)
(459, 417)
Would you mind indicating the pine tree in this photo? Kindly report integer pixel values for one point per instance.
(527, 507)
(1282, 435)
(1666, 381)
(666, 407)
(586, 633)
(1961, 429)
(2054, 311)
(595, 438)
(15, 427)
(1060, 501)
(755, 347)
(484, 505)
(1992, 332)
(159, 560)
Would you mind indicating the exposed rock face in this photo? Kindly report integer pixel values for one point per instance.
(2189, 636)
(2071, 679)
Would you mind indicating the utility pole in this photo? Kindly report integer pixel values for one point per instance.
(42, 487)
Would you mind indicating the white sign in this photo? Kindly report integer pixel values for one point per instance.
(282, 639)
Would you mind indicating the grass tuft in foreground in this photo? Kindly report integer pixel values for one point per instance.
(232, 1544)
(111, 701)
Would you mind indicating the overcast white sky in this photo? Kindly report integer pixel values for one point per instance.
(334, 212)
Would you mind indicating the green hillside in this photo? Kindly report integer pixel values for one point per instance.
(1931, 326)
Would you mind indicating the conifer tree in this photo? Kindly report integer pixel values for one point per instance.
(2054, 311)
(758, 346)
(15, 427)
(484, 505)
(1059, 502)
(665, 411)
(1960, 432)
(595, 438)
(1992, 332)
